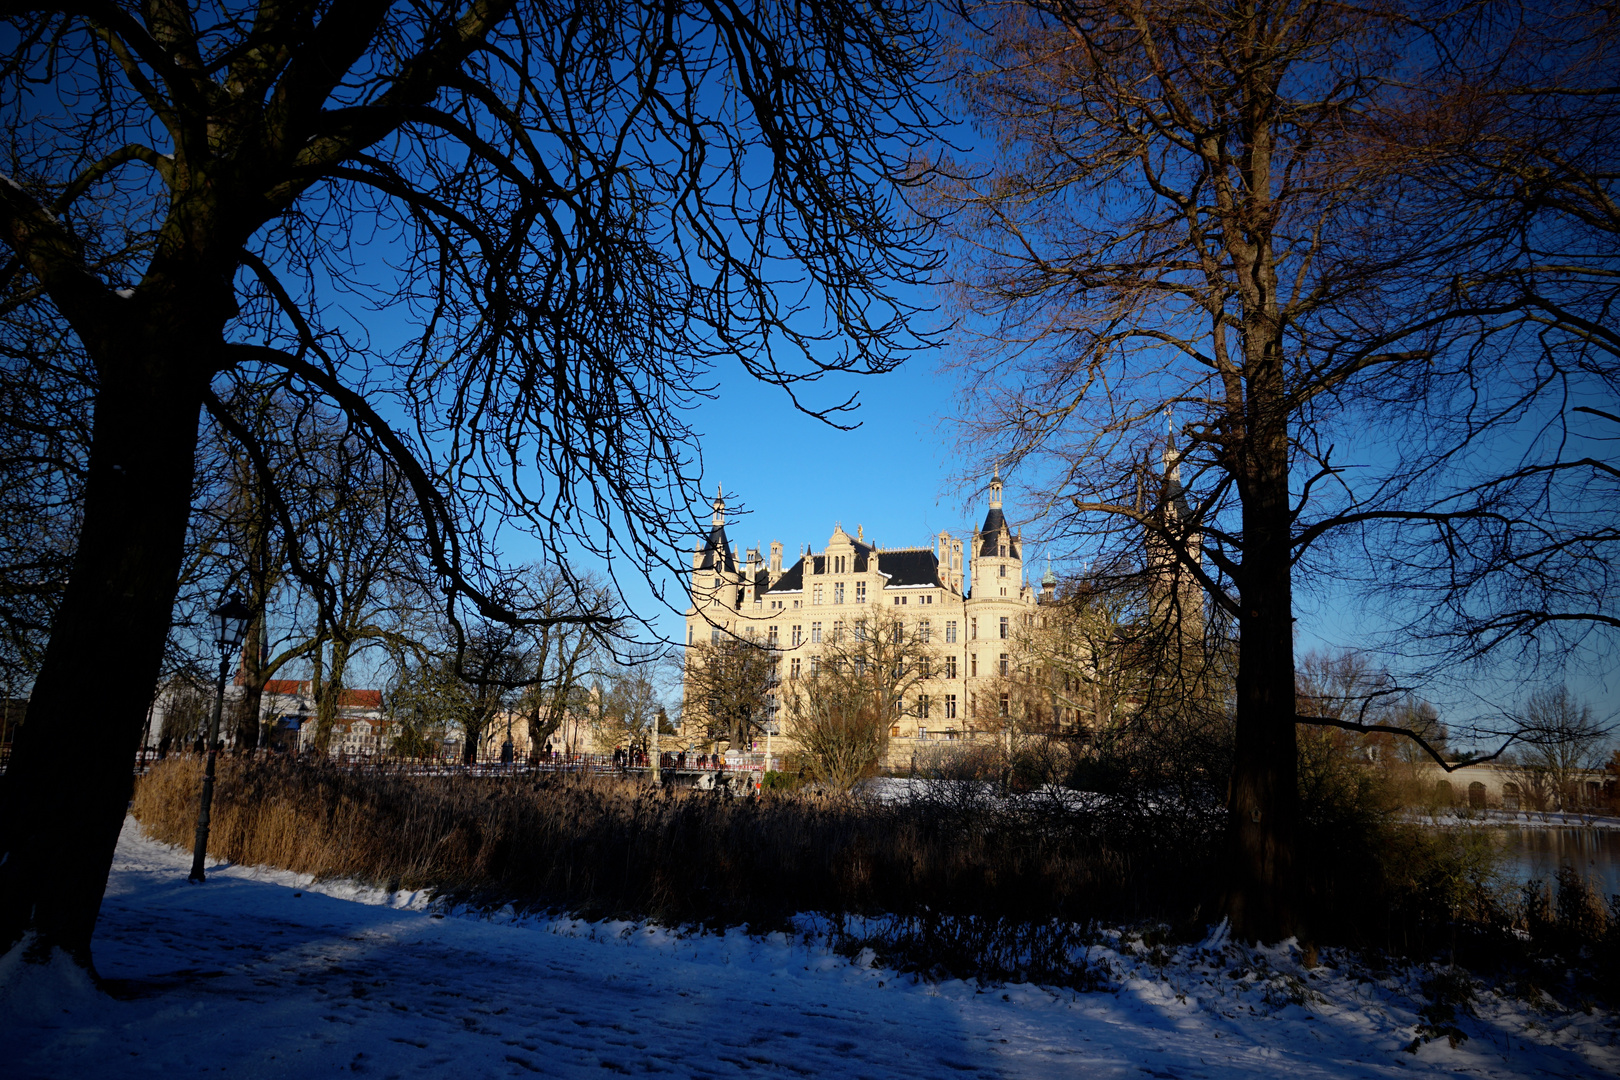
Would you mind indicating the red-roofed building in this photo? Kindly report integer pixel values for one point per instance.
(287, 715)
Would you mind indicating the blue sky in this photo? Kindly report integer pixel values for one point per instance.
(790, 477)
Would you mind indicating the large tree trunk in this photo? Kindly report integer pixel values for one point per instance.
(1263, 797)
(62, 801)
(330, 694)
(262, 573)
(254, 675)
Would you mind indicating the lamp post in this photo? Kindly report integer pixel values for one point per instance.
(230, 623)
(653, 754)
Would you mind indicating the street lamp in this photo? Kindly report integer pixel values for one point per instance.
(230, 624)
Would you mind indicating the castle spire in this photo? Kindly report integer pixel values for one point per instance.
(995, 488)
(719, 505)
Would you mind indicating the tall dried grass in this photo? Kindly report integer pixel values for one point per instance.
(963, 882)
(604, 847)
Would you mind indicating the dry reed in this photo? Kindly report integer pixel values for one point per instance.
(972, 886)
(605, 847)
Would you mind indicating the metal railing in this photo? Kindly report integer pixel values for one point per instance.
(545, 764)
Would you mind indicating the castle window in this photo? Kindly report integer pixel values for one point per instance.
(950, 631)
(1002, 549)
(973, 629)
(770, 637)
(950, 667)
(797, 604)
(838, 592)
(689, 635)
(837, 631)
(1001, 571)
(1004, 622)
(796, 667)
(815, 633)
(860, 592)
(924, 668)
(973, 665)
(926, 598)
(1003, 665)
(922, 706)
(818, 595)
(897, 632)
(860, 630)
(798, 636)
(950, 706)
(815, 666)
(925, 632)
(1005, 705)
(922, 733)
(714, 637)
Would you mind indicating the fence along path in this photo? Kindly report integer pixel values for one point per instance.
(686, 769)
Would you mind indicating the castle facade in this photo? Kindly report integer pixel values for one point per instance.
(964, 603)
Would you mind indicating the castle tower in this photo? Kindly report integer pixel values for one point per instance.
(1172, 549)
(715, 580)
(998, 559)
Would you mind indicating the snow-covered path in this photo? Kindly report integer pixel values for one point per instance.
(257, 974)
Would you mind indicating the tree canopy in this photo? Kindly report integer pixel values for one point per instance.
(506, 240)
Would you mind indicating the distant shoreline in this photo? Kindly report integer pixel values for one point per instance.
(1516, 819)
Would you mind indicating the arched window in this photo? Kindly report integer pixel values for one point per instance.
(1476, 795)
(1510, 796)
(1444, 794)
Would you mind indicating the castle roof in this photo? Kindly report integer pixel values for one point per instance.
(994, 522)
(902, 566)
(792, 580)
(1176, 496)
(717, 552)
(910, 566)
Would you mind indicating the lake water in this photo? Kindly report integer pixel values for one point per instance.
(1538, 853)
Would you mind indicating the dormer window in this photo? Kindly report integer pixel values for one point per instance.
(1002, 549)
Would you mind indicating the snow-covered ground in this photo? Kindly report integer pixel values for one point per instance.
(262, 974)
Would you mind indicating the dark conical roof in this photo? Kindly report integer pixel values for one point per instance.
(994, 522)
(717, 552)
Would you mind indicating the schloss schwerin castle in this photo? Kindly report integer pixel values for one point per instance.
(971, 637)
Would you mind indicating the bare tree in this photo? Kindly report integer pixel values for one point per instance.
(1561, 741)
(1517, 156)
(631, 703)
(577, 210)
(1200, 285)
(729, 688)
(354, 565)
(427, 705)
(847, 696)
(45, 419)
(563, 655)
(184, 701)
